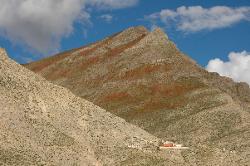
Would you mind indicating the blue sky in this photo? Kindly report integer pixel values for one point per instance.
(87, 21)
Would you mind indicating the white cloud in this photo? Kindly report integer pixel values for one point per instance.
(197, 18)
(40, 25)
(112, 4)
(238, 66)
(107, 18)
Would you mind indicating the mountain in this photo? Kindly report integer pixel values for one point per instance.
(45, 124)
(144, 78)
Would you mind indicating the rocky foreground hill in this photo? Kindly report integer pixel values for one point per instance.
(142, 77)
(45, 124)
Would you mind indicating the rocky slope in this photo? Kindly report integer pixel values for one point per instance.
(45, 124)
(142, 77)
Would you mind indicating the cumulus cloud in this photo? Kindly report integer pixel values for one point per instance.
(112, 4)
(41, 24)
(197, 18)
(107, 18)
(238, 66)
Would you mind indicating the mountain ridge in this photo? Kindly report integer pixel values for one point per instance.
(145, 79)
(45, 124)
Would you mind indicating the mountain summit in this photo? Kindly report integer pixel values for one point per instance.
(144, 78)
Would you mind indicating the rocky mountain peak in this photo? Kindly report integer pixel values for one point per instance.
(160, 32)
(138, 29)
(140, 34)
(144, 78)
(157, 38)
(129, 35)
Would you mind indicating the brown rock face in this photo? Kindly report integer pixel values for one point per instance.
(142, 77)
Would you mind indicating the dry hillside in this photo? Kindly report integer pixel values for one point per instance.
(45, 124)
(144, 78)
